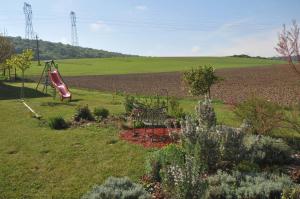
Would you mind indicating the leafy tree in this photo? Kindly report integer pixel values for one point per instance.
(200, 80)
(23, 62)
(6, 50)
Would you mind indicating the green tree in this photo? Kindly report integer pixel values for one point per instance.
(23, 62)
(6, 51)
(200, 80)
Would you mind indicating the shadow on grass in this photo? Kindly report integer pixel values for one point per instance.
(52, 104)
(13, 92)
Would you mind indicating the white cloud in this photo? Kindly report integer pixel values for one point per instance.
(261, 44)
(141, 7)
(195, 49)
(99, 26)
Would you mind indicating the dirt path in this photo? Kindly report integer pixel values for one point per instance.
(275, 83)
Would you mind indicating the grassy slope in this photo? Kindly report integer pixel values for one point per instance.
(73, 67)
(36, 162)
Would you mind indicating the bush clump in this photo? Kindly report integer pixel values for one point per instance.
(261, 115)
(166, 156)
(175, 110)
(58, 123)
(240, 185)
(83, 113)
(101, 113)
(291, 193)
(117, 188)
(266, 150)
(129, 103)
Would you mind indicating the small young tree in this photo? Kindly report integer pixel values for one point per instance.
(200, 80)
(6, 50)
(23, 62)
(288, 45)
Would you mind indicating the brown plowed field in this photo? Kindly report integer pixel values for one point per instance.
(276, 83)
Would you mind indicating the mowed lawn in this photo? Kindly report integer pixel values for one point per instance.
(37, 162)
(127, 65)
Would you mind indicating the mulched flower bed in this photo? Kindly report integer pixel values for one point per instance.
(148, 137)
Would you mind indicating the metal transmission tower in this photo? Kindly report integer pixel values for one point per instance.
(29, 34)
(74, 29)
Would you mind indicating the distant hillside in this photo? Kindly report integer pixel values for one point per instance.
(51, 50)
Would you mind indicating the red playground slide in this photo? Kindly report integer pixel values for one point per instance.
(59, 84)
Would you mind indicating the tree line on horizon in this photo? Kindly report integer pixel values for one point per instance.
(51, 50)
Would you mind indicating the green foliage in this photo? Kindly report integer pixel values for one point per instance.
(240, 186)
(200, 80)
(266, 150)
(263, 116)
(101, 112)
(206, 114)
(6, 49)
(174, 109)
(293, 118)
(231, 147)
(21, 61)
(117, 188)
(209, 144)
(128, 103)
(217, 144)
(186, 181)
(58, 123)
(51, 50)
(247, 167)
(171, 154)
(291, 193)
(83, 113)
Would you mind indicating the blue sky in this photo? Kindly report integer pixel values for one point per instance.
(159, 27)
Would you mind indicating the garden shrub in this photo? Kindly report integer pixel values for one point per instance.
(293, 118)
(231, 147)
(187, 180)
(247, 167)
(291, 193)
(263, 116)
(101, 113)
(83, 113)
(241, 185)
(117, 188)
(206, 114)
(129, 103)
(174, 109)
(266, 150)
(205, 141)
(168, 155)
(58, 123)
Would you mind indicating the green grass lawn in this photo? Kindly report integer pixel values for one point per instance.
(37, 162)
(126, 65)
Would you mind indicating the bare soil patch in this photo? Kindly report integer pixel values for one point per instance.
(278, 83)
